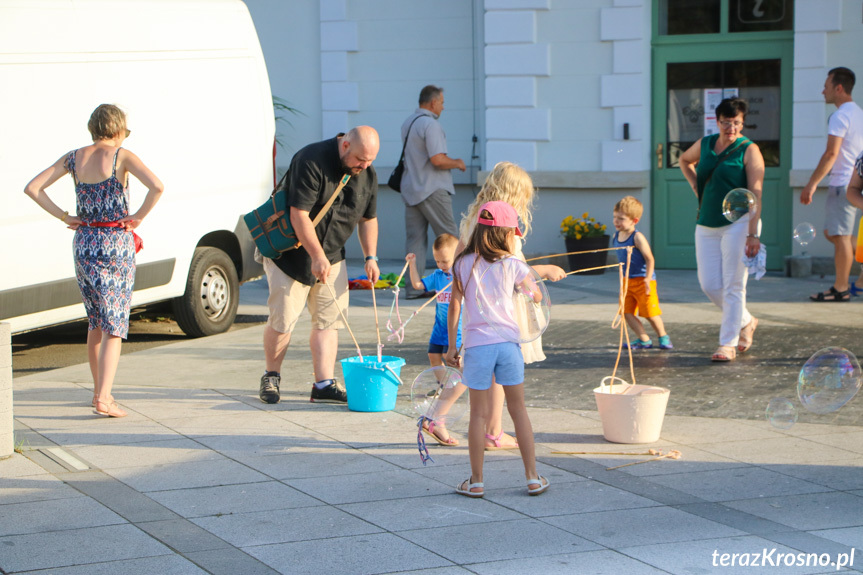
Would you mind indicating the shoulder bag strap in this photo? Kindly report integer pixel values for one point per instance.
(405, 144)
(329, 203)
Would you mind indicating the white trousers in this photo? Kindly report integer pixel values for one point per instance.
(722, 275)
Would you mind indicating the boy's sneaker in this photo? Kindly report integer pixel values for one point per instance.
(665, 342)
(638, 343)
(333, 393)
(269, 390)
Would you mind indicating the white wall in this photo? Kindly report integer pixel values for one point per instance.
(826, 35)
(289, 32)
(547, 84)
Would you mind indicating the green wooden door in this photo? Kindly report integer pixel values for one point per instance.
(691, 73)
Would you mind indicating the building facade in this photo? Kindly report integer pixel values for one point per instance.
(595, 98)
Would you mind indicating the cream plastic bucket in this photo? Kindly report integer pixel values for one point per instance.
(631, 413)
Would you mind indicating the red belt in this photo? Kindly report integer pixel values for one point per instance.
(139, 243)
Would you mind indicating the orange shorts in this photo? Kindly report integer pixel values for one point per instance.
(647, 305)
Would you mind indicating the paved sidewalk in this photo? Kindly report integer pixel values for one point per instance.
(202, 477)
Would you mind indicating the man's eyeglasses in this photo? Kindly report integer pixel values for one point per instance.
(728, 124)
(128, 131)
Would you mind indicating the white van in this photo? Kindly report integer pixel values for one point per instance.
(191, 77)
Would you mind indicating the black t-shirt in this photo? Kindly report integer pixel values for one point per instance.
(315, 173)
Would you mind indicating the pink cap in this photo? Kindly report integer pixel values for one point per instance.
(502, 216)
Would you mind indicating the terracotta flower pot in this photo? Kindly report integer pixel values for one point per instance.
(591, 260)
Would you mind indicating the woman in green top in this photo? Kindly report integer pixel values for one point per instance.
(713, 166)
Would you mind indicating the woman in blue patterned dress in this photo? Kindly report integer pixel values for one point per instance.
(104, 243)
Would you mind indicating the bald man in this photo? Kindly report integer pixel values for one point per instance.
(295, 279)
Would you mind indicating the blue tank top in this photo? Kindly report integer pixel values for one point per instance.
(637, 265)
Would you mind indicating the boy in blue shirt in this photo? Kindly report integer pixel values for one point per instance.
(641, 293)
(443, 250)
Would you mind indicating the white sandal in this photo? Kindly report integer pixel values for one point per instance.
(467, 492)
(541, 481)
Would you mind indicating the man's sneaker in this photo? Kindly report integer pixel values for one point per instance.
(269, 391)
(638, 343)
(333, 393)
(665, 342)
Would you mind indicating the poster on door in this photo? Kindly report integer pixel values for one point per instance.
(712, 98)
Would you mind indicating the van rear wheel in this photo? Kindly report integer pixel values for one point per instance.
(212, 295)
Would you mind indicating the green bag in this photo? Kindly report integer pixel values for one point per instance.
(270, 224)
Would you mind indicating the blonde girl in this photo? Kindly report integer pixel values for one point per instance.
(508, 183)
(488, 356)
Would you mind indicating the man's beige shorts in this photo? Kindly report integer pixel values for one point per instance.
(288, 297)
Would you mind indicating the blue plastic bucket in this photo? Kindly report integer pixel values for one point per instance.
(371, 385)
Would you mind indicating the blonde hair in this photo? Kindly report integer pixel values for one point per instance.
(106, 121)
(508, 183)
(629, 207)
(445, 241)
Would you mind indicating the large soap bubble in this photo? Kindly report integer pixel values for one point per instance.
(513, 300)
(804, 233)
(828, 380)
(435, 394)
(737, 203)
(781, 413)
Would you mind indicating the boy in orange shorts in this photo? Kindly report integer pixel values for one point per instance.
(641, 293)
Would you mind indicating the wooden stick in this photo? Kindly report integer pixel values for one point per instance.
(673, 454)
(401, 275)
(344, 319)
(590, 269)
(431, 299)
(377, 326)
(650, 452)
(586, 270)
(573, 253)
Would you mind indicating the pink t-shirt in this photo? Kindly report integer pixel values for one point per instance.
(496, 283)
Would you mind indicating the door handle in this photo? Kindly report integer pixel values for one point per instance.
(659, 156)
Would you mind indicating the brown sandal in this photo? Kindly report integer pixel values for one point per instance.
(745, 340)
(429, 429)
(109, 409)
(724, 353)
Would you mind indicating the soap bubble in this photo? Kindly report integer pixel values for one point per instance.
(828, 380)
(781, 413)
(737, 203)
(435, 394)
(804, 233)
(513, 300)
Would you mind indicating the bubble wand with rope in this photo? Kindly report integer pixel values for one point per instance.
(395, 306)
(344, 319)
(377, 326)
(620, 320)
(399, 333)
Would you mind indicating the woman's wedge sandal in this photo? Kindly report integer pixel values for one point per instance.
(745, 340)
(467, 492)
(724, 353)
(541, 485)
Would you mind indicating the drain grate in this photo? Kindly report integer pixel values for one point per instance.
(64, 458)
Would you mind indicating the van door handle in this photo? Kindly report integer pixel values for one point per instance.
(659, 156)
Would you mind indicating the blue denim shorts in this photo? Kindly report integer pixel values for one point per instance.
(503, 360)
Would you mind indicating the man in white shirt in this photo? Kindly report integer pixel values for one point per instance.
(844, 144)
(427, 186)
